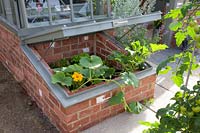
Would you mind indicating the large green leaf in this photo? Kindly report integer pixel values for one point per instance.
(166, 70)
(158, 47)
(93, 62)
(86, 73)
(191, 32)
(135, 107)
(99, 72)
(185, 9)
(161, 112)
(177, 79)
(117, 99)
(130, 79)
(109, 72)
(176, 13)
(60, 78)
(164, 64)
(175, 26)
(72, 68)
(197, 13)
(180, 37)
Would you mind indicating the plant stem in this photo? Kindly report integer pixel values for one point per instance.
(190, 67)
(98, 79)
(126, 104)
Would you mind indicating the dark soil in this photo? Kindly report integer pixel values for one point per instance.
(18, 113)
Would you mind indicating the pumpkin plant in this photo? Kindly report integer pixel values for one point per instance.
(91, 70)
(183, 115)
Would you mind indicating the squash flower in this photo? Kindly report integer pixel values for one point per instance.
(77, 77)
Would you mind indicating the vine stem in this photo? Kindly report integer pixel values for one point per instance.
(190, 67)
(98, 79)
(109, 80)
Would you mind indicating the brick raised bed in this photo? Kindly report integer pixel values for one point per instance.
(81, 115)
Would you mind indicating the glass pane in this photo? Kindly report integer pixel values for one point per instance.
(37, 12)
(100, 8)
(82, 10)
(60, 10)
(1, 8)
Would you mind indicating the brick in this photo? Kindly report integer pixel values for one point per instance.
(74, 46)
(82, 122)
(71, 118)
(61, 49)
(104, 105)
(54, 117)
(55, 57)
(104, 114)
(75, 108)
(117, 109)
(82, 45)
(89, 111)
(70, 126)
(49, 102)
(148, 80)
(54, 100)
(105, 52)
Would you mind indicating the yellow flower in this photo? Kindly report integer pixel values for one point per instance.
(77, 77)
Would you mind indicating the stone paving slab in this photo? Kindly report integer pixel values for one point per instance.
(161, 99)
(123, 123)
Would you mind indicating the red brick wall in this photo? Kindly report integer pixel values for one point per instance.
(65, 48)
(77, 117)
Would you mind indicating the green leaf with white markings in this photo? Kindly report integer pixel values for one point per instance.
(130, 79)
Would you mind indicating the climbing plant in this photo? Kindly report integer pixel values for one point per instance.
(183, 115)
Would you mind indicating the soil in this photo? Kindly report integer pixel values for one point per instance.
(18, 113)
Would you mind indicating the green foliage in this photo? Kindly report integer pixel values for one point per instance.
(60, 78)
(183, 114)
(126, 8)
(180, 37)
(157, 47)
(129, 34)
(175, 26)
(117, 99)
(136, 55)
(90, 70)
(76, 58)
(61, 63)
(92, 62)
(135, 107)
(130, 79)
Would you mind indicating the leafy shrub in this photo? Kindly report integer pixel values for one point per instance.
(183, 115)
